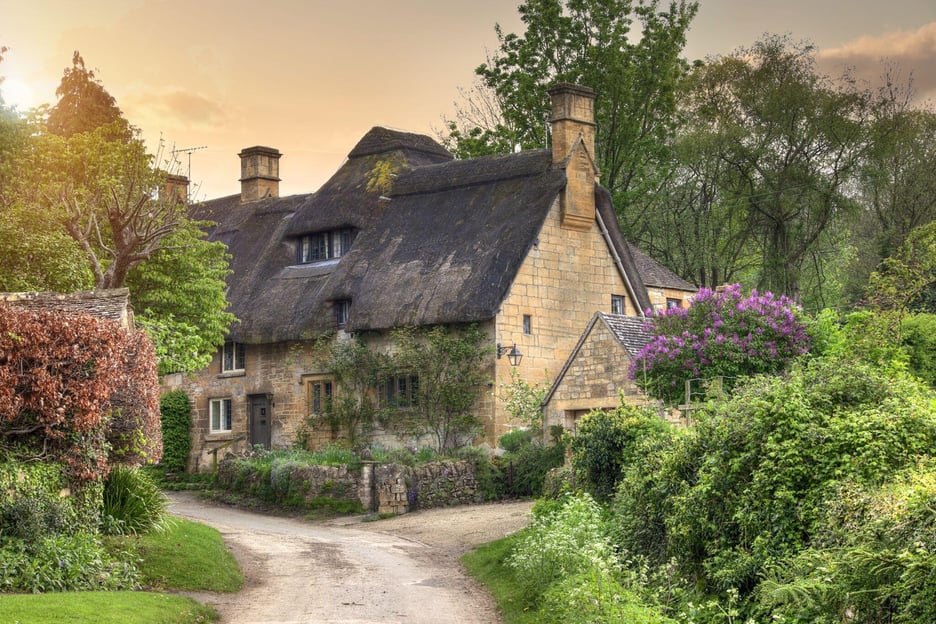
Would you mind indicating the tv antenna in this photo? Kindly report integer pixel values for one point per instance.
(188, 150)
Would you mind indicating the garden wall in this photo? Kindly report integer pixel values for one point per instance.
(381, 488)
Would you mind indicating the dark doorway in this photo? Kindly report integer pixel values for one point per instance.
(261, 420)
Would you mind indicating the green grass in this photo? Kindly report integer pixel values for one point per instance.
(103, 608)
(185, 556)
(487, 563)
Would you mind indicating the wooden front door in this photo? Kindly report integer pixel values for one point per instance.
(261, 421)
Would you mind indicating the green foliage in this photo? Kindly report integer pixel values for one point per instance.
(606, 442)
(84, 104)
(526, 466)
(514, 439)
(596, 597)
(176, 417)
(62, 563)
(357, 370)
(523, 401)
(766, 157)
(591, 43)
(450, 365)
(179, 297)
(752, 483)
(872, 558)
(31, 501)
(919, 339)
(133, 504)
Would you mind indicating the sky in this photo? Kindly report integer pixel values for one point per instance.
(207, 78)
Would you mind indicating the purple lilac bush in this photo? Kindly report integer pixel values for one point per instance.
(722, 333)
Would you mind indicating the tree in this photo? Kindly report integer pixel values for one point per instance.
(448, 364)
(84, 104)
(788, 143)
(897, 184)
(588, 42)
(722, 334)
(179, 297)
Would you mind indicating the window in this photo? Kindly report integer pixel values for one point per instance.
(527, 324)
(617, 304)
(342, 310)
(232, 357)
(323, 246)
(400, 391)
(321, 392)
(220, 415)
(673, 303)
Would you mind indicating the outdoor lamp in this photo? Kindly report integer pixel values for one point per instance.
(513, 354)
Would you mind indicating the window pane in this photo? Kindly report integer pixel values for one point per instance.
(227, 414)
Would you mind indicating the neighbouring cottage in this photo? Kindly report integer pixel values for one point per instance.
(526, 245)
(596, 374)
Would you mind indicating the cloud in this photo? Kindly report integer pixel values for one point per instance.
(910, 52)
(176, 107)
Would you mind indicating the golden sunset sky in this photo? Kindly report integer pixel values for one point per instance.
(311, 77)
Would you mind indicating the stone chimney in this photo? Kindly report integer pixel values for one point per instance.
(259, 173)
(175, 189)
(573, 149)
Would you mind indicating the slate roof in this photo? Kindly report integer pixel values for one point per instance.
(442, 245)
(630, 331)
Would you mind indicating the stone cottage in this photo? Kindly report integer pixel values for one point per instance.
(526, 245)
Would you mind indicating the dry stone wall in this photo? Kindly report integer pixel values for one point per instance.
(382, 488)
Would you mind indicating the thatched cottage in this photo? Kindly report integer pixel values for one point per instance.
(526, 245)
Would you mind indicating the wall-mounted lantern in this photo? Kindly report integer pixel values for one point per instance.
(513, 354)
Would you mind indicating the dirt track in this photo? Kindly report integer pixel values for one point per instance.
(402, 569)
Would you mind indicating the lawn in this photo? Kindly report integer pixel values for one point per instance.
(184, 556)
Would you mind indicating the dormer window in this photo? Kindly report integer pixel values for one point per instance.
(323, 246)
(342, 312)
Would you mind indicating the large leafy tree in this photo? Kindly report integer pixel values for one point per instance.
(84, 104)
(108, 221)
(782, 145)
(592, 43)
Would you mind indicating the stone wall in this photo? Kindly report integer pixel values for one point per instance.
(381, 488)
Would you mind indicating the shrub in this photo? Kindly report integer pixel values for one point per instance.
(63, 563)
(596, 597)
(722, 334)
(605, 442)
(31, 501)
(59, 378)
(527, 466)
(871, 557)
(514, 439)
(569, 541)
(749, 485)
(176, 413)
(133, 504)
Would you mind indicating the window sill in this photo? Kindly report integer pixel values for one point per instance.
(233, 373)
(219, 436)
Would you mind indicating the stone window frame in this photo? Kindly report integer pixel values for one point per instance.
(617, 304)
(233, 357)
(326, 390)
(223, 409)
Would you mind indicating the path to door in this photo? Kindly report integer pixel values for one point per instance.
(402, 569)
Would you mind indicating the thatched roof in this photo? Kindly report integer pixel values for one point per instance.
(439, 241)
